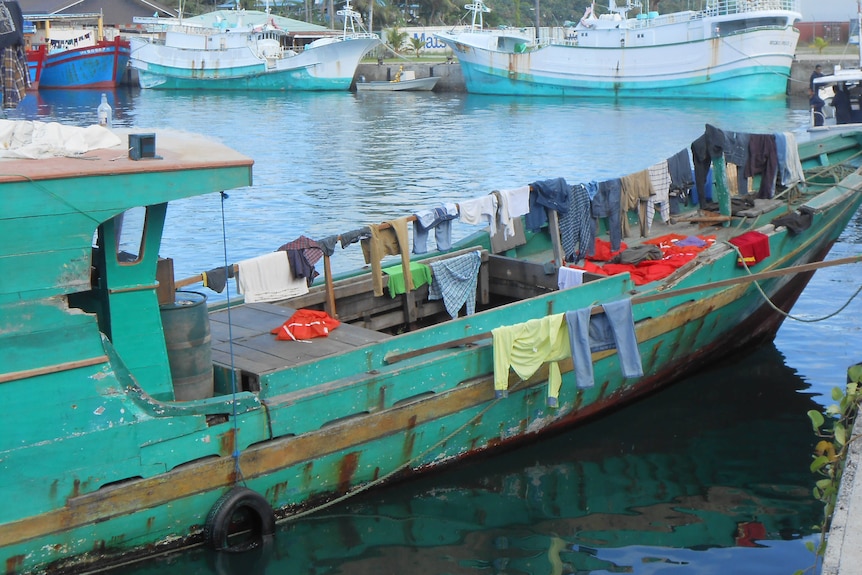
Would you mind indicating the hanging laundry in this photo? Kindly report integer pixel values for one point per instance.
(306, 324)
(789, 165)
(512, 204)
(546, 195)
(606, 204)
(327, 244)
(440, 220)
(680, 168)
(303, 253)
(681, 179)
(480, 211)
(763, 161)
(387, 241)
(354, 236)
(708, 146)
(454, 281)
(216, 278)
(735, 147)
(635, 191)
(659, 177)
(268, 278)
(593, 333)
(524, 347)
(13, 60)
(576, 226)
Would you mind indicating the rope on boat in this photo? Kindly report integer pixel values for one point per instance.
(399, 469)
(238, 476)
(781, 311)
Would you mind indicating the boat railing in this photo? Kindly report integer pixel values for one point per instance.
(711, 8)
(722, 7)
(649, 20)
(362, 36)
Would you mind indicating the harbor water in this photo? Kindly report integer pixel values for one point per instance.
(710, 475)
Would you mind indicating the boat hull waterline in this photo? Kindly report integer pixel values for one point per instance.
(101, 66)
(329, 67)
(683, 55)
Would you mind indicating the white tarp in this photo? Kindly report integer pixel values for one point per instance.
(35, 140)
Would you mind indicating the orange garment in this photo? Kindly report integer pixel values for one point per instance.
(674, 257)
(603, 252)
(306, 324)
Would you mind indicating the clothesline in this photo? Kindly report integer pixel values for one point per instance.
(675, 176)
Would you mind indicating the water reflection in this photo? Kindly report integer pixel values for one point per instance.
(691, 478)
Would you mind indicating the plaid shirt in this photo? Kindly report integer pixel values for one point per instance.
(454, 281)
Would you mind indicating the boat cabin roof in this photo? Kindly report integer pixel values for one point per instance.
(174, 150)
(841, 76)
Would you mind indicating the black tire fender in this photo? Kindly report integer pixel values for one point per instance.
(217, 528)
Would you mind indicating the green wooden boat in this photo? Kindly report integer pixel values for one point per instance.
(112, 447)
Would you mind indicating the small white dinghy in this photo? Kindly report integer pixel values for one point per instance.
(404, 81)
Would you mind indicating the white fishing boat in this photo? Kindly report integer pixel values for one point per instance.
(726, 49)
(404, 81)
(250, 50)
(840, 95)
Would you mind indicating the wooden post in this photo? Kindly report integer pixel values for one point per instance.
(330, 289)
(554, 230)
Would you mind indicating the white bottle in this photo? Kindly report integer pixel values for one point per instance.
(105, 113)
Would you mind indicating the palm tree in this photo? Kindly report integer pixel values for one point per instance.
(416, 44)
(819, 44)
(396, 37)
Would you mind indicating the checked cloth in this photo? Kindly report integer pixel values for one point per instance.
(454, 281)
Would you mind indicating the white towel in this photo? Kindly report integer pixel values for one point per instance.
(569, 277)
(480, 211)
(268, 278)
(519, 201)
(513, 204)
(793, 171)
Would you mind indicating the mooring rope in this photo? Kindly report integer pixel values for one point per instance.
(238, 476)
(781, 311)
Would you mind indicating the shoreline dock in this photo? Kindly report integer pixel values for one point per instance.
(843, 555)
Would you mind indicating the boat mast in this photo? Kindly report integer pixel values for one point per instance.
(350, 16)
(624, 9)
(478, 8)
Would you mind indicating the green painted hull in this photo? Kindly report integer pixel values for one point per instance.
(679, 487)
(107, 464)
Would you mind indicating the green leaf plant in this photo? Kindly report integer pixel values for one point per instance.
(834, 428)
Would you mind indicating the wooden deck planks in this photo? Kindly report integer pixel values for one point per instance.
(255, 350)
